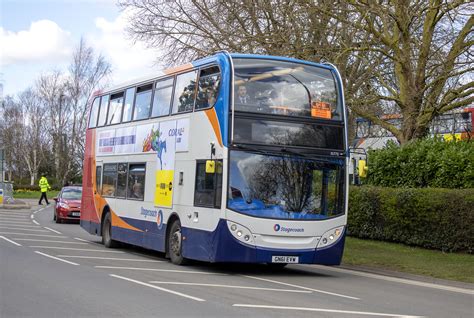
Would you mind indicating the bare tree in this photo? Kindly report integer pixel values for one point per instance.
(427, 62)
(33, 138)
(406, 56)
(86, 73)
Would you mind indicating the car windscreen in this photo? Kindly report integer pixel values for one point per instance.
(71, 193)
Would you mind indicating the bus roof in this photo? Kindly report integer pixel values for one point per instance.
(197, 63)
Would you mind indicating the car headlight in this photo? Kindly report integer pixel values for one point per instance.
(63, 205)
(331, 237)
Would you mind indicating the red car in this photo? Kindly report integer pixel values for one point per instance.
(68, 204)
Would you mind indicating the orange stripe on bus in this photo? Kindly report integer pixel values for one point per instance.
(179, 68)
(212, 116)
(117, 221)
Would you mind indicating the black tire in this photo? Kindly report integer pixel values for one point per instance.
(175, 244)
(57, 219)
(107, 232)
(54, 216)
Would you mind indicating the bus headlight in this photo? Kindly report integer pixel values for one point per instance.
(240, 232)
(331, 237)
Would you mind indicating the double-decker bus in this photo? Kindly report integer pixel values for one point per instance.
(231, 158)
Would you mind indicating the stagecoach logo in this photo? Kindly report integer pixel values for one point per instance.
(146, 212)
(278, 228)
(159, 220)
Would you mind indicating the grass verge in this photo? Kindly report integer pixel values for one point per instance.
(33, 194)
(413, 260)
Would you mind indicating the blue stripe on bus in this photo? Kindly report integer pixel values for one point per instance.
(221, 246)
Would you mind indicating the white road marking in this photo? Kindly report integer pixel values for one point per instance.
(76, 249)
(365, 313)
(49, 241)
(15, 223)
(350, 312)
(402, 280)
(234, 287)
(158, 270)
(13, 226)
(56, 258)
(43, 235)
(32, 216)
(110, 258)
(79, 239)
(302, 287)
(13, 219)
(156, 287)
(23, 229)
(57, 232)
(34, 221)
(8, 240)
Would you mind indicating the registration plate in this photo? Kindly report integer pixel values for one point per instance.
(285, 259)
(76, 213)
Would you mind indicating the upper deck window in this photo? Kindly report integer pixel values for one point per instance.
(94, 111)
(185, 92)
(127, 107)
(142, 102)
(115, 108)
(285, 88)
(208, 87)
(162, 97)
(104, 104)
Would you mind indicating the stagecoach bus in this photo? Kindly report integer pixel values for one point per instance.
(231, 158)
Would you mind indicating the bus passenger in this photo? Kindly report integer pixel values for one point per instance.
(137, 191)
(243, 97)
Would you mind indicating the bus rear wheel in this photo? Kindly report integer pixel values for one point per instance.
(175, 244)
(107, 232)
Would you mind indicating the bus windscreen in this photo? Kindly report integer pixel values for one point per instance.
(285, 88)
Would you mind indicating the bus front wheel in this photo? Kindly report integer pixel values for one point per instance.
(175, 244)
(107, 232)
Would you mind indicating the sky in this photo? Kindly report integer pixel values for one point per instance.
(39, 36)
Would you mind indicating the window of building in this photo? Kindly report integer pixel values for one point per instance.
(104, 104)
(136, 181)
(115, 109)
(109, 180)
(185, 92)
(122, 170)
(127, 107)
(208, 87)
(208, 187)
(142, 102)
(94, 111)
(162, 98)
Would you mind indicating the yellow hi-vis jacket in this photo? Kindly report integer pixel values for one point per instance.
(43, 184)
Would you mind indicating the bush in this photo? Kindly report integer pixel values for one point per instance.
(430, 218)
(424, 163)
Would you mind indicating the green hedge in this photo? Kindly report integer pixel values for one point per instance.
(431, 218)
(430, 162)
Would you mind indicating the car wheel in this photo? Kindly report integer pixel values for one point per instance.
(107, 233)
(57, 219)
(175, 244)
(54, 216)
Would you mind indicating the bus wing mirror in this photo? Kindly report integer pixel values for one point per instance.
(210, 166)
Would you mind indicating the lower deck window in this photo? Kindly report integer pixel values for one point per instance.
(208, 187)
